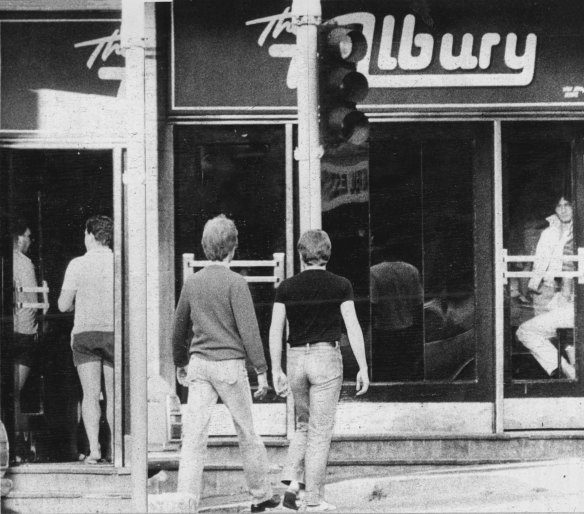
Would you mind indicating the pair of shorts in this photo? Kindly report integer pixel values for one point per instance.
(93, 347)
(24, 349)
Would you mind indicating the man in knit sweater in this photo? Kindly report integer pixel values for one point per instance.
(217, 303)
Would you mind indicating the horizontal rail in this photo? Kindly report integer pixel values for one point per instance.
(531, 258)
(530, 274)
(237, 264)
(31, 305)
(32, 289)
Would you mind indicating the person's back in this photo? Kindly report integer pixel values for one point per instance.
(92, 276)
(313, 299)
(221, 332)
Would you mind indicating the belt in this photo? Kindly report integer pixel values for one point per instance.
(334, 344)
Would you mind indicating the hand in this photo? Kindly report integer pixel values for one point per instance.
(362, 382)
(531, 293)
(263, 387)
(181, 376)
(280, 383)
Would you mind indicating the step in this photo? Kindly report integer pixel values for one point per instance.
(59, 503)
(223, 453)
(69, 478)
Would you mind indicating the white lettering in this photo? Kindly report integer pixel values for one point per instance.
(425, 42)
(488, 42)
(416, 52)
(104, 45)
(463, 61)
(277, 23)
(386, 61)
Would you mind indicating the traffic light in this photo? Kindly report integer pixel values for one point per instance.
(341, 86)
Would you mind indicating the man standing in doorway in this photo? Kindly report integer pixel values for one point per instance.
(24, 346)
(88, 289)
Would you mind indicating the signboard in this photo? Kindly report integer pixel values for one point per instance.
(238, 56)
(61, 76)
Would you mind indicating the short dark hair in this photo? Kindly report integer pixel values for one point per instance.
(102, 228)
(219, 238)
(18, 228)
(315, 247)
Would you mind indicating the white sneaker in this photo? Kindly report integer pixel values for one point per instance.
(321, 507)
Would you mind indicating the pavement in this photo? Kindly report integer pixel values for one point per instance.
(547, 486)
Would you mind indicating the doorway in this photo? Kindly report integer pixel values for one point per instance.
(53, 193)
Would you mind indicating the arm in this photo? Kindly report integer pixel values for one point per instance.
(543, 255)
(357, 344)
(247, 325)
(180, 343)
(67, 300)
(276, 335)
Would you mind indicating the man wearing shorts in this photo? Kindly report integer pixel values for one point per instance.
(24, 345)
(88, 289)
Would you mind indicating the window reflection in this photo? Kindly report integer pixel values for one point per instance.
(416, 232)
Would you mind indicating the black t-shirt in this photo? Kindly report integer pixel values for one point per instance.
(313, 301)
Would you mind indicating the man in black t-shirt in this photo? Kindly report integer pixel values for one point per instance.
(316, 303)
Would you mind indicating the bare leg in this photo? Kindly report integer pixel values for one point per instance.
(108, 378)
(23, 373)
(90, 376)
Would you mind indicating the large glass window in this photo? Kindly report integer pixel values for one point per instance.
(402, 227)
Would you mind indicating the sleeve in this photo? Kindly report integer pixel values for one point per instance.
(180, 330)
(70, 281)
(347, 294)
(280, 296)
(543, 255)
(247, 325)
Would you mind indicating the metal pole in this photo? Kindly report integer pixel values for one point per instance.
(306, 16)
(135, 182)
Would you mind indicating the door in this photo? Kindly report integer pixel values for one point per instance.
(239, 171)
(541, 255)
(48, 195)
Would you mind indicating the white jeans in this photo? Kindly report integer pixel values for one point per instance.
(228, 380)
(536, 334)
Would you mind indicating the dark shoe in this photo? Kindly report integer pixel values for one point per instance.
(290, 501)
(272, 503)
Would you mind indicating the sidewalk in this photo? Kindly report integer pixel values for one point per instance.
(551, 486)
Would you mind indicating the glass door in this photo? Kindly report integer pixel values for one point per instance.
(239, 171)
(542, 165)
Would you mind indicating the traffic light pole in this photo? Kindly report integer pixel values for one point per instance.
(306, 15)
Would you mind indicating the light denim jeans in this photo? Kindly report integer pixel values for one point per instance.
(227, 380)
(315, 376)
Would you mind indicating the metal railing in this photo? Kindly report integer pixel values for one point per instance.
(277, 263)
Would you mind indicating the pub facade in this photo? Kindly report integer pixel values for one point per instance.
(476, 113)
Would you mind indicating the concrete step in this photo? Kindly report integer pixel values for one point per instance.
(69, 478)
(59, 503)
(223, 453)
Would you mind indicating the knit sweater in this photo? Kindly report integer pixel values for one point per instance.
(218, 304)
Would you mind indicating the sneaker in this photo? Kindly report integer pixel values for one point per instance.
(272, 503)
(321, 507)
(289, 501)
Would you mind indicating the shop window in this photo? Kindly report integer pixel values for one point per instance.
(405, 238)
